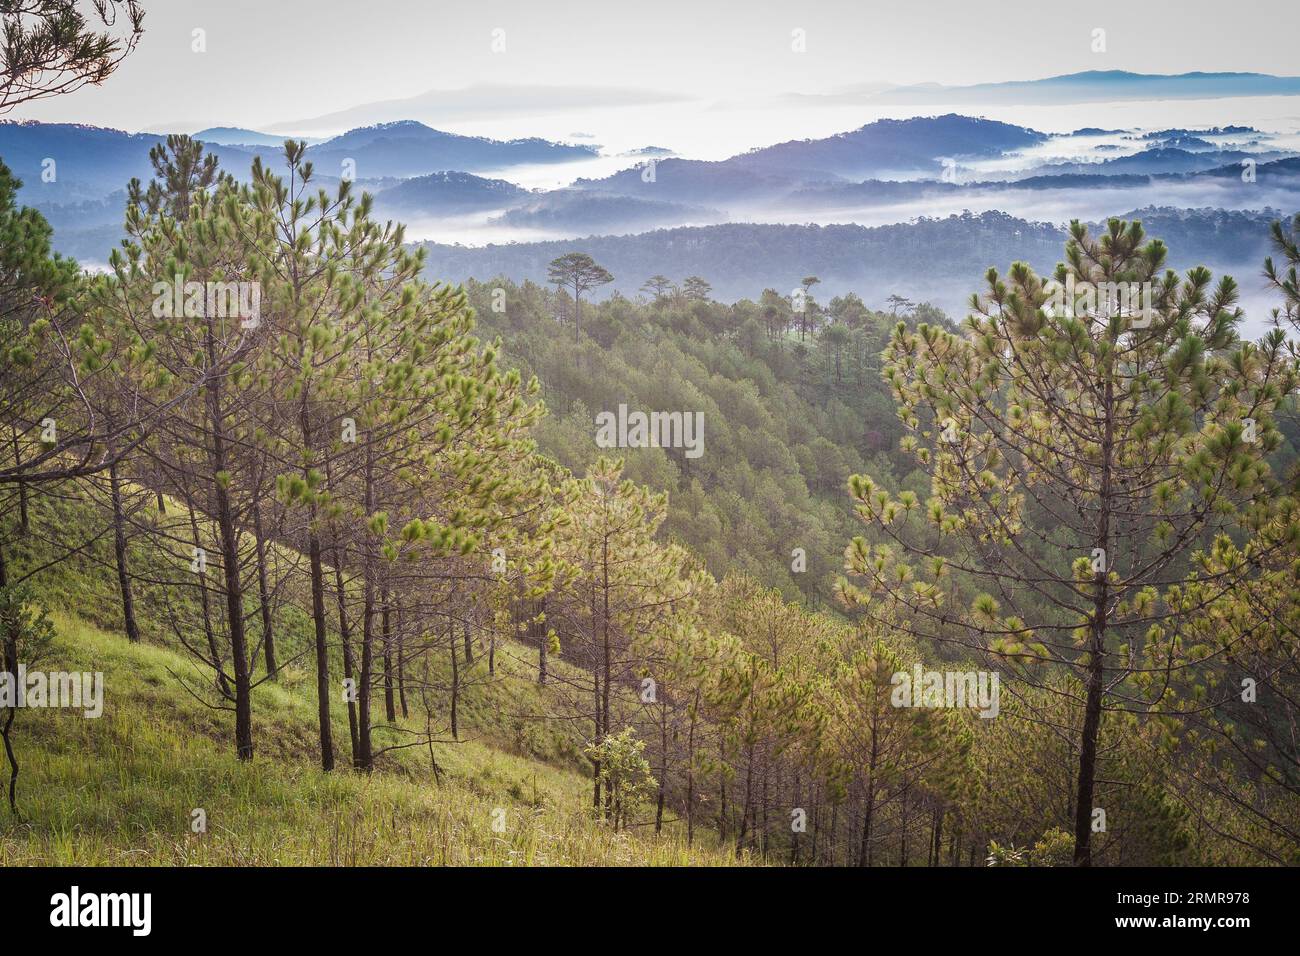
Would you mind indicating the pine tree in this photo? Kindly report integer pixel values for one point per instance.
(1076, 445)
(579, 272)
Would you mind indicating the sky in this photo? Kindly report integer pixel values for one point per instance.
(283, 63)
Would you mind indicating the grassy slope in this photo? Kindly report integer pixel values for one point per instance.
(121, 789)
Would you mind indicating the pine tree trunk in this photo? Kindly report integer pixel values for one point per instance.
(538, 633)
(9, 660)
(455, 677)
(386, 635)
(119, 553)
(349, 664)
(607, 668)
(367, 669)
(317, 601)
(1096, 653)
(24, 522)
(322, 647)
(864, 852)
(264, 592)
(1088, 760)
(401, 679)
(690, 773)
(229, 540)
(204, 602)
(663, 769)
(902, 850)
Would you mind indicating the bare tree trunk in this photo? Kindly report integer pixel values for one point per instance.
(9, 644)
(317, 602)
(24, 522)
(749, 798)
(835, 828)
(794, 834)
(322, 650)
(455, 677)
(663, 768)
(869, 788)
(234, 587)
(220, 681)
(722, 794)
(264, 592)
(607, 670)
(386, 635)
(1088, 759)
(902, 851)
(119, 553)
(690, 773)
(367, 667)
(401, 671)
(349, 664)
(1096, 654)
(538, 632)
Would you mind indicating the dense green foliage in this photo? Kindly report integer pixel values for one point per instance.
(348, 497)
(787, 417)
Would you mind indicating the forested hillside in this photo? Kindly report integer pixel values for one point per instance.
(321, 545)
(274, 451)
(930, 258)
(793, 404)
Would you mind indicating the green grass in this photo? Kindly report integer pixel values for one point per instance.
(121, 789)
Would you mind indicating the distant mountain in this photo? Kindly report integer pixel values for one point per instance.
(1087, 87)
(881, 150)
(696, 181)
(448, 193)
(1158, 159)
(905, 146)
(580, 210)
(91, 162)
(408, 148)
(1280, 170)
(1165, 134)
(476, 102)
(235, 136)
(941, 259)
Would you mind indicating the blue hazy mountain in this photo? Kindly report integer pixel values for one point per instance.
(448, 193)
(936, 258)
(887, 145)
(579, 210)
(237, 136)
(1086, 87)
(407, 148)
(880, 150)
(91, 161)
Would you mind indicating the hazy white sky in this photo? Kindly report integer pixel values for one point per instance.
(277, 61)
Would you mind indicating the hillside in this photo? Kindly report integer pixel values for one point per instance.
(120, 790)
(934, 259)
